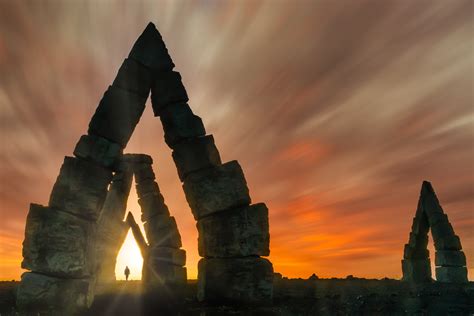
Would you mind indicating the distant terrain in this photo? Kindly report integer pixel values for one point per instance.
(352, 296)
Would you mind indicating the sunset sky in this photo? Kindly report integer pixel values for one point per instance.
(336, 111)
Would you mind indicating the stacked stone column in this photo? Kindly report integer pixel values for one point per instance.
(233, 235)
(450, 260)
(112, 230)
(60, 239)
(164, 262)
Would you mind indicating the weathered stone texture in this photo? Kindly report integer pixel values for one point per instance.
(162, 231)
(80, 188)
(134, 77)
(451, 274)
(418, 240)
(416, 270)
(158, 274)
(448, 243)
(150, 50)
(98, 149)
(146, 187)
(143, 172)
(152, 205)
(167, 89)
(415, 253)
(133, 159)
(453, 258)
(216, 189)
(195, 154)
(117, 115)
(159, 255)
(58, 243)
(179, 123)
(239, 280)
(237, 233)
(46, 295)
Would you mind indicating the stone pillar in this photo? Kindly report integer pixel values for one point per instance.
(450, 260)
(59, 246)
(164, 261)
(112, 230)
(233, 235)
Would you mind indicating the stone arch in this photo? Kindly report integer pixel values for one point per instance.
(450, 260)
(62, 262)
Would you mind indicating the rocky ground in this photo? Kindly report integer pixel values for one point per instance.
(351, 296)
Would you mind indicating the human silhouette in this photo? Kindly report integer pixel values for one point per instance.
(127, 273)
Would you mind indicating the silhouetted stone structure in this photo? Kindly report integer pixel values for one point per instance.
(60, 239)
(112, 230)
(450, 260)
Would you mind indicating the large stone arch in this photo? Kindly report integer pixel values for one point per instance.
(62, 260)
(450, 260)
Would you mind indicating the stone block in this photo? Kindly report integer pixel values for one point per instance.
(418, 240)
(416, 270)
(58, 243)
(152, 205)
(147, 187)
(420, 225)
(429, 199)
(237, 233)
(451, 274)
(235, 280)
(179, 123)
(216, 189)
(415, 253)
(167, 89)
(137, 159)
(143, 172)
(195, 154)
(80, 188)
(436, 218)
(39, 294)
(117, 115)
(159, 255)
(162, 231)
(98, 150)
(441, 230)
(158, 274)
(448, 243)
(151, 51)
(452, 258)
(134, 77)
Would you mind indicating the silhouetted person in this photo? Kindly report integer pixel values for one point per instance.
(127, 273)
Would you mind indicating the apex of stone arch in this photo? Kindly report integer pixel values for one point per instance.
(151, 51)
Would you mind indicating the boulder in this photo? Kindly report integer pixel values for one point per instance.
(451, 242)
(452, 258)
(146, 187)
(150, 50)
(117, 115)
(80, 188)
(98, 150)
(195, 154)
(167, 89)
(162, 231)
(451, 274)
(235, 280)
(159, 255)
(58, 243)
(216, 189)
(179, 123)
(40, 294)
(416, 270)
(152, 205)
(143, 172)
(236, 233)
(134, 77)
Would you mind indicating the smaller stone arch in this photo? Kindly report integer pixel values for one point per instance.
(450, 260)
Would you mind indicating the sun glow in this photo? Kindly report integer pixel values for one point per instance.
(129, 255)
